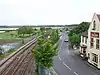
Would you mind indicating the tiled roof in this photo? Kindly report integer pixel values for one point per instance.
(98, 15)
(85, 34)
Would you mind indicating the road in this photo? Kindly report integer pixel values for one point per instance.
(68, 62)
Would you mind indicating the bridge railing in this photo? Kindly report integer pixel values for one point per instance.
(2, 62)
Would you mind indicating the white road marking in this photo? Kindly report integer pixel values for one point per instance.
(59, 58)
(58, 51)
(66, 66)
(75, 73)
(54, 72)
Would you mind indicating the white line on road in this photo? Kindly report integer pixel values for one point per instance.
(58, 51)
(59, 58)
(54, 72)
(75, 73)
(66, 66)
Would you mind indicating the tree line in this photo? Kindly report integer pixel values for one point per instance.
(25, 30)
(46, 49)
(75, 34)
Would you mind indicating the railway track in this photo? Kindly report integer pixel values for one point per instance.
(17, 63)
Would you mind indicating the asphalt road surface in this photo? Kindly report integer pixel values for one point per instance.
(68, 61)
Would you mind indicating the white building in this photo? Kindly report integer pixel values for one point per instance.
(93, 43)
(83, 44)
(90, 42)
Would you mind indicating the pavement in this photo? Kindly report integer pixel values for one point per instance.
(68, 61)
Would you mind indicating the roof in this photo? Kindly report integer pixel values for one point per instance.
(98, 15)
(85, 34)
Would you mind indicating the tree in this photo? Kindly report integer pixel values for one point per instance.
(35, 29)
(42, 28)
(22, 30)
(75, 34)
(44, 53)
(82, 27)
(54, 36)
(29, 30)
(25, 30)
(45, 48)
(75, 39)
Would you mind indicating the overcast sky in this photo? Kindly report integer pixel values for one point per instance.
(37, 12)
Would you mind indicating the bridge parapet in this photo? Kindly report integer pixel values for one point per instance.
(20, 62)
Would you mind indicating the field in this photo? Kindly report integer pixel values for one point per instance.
(9, 35)
(12, 35)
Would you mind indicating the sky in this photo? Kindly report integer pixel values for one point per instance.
(47, 12)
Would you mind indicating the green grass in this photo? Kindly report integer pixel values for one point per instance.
(12, 35)
(9, 35)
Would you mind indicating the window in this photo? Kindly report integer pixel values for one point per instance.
(82, 38)
(97, 43)
(97, 35)
(91, 43)
(94, 24)
(94, 34)
(84, 50)
(86, 40)
(91, 39)
(95, 58)
(81, 50)
(88, 56)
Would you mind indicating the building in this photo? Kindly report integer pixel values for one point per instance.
(83, 44)
(90, 42)
(93, 43)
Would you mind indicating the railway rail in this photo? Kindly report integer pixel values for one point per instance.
(19, 62)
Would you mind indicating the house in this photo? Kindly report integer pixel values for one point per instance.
(83, 44)
(90, 42)
(93, 43)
